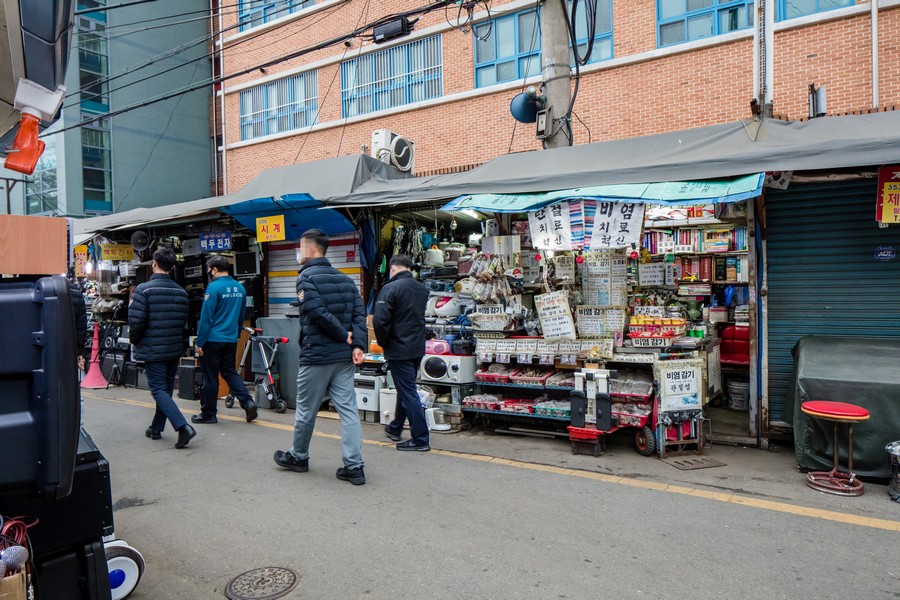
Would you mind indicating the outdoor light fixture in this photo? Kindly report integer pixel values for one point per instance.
(391, 31)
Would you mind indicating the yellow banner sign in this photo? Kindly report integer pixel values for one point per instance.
(81, 253)
(117, 251)
(270, 229)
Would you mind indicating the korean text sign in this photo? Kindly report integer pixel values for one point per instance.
(270, 229)
(551, 228)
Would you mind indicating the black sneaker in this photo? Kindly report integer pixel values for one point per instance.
(355, 476)
(204, 420)
(390, 435)
(289, 461)
(412, 446)
(251, 410)
(153, 435)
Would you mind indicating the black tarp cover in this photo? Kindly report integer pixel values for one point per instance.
(860, 370)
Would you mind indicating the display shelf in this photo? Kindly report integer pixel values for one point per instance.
(689, 222)
(515, 414)
(729, 253)
(559, 388)
(520, 386)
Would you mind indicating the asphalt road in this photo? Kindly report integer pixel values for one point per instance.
(485, 517)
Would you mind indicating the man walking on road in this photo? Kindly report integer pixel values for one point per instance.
(221, 319)
(400, 330)
(332, 338)
(156, 319)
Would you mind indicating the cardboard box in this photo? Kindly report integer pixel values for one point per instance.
(13, 587)
(370, 324)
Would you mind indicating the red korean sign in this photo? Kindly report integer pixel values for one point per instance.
(887, 209)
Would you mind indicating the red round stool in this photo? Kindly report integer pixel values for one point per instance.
(834, 481)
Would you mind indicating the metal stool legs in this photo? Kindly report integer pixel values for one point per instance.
(834, 481)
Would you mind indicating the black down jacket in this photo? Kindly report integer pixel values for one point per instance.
(400, 317)
(156, 318)
(330, 307)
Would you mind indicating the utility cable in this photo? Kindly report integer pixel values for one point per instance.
(362, 15)
(205, 12)
(84, 11)
(293, 55)
(208, 55)
(155, 144)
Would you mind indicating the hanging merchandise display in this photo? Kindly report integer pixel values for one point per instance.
(617, 322)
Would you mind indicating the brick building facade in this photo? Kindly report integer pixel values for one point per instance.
(648, 85)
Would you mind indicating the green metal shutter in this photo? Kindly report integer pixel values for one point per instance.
(822, 274)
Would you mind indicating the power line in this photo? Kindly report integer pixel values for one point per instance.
(325, 15)
(186, 46)
(155, 144)
(84, 11)
(297, 54)
(362, 15)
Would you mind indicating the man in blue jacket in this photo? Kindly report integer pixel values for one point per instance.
(221, 319)
(332, 338)
(156, 319)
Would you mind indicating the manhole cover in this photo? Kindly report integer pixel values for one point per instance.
(262, 584)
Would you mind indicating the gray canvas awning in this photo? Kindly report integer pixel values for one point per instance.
(322, 180)
(718, 151)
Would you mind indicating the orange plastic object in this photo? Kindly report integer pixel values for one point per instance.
(374, 348)
(27, 148)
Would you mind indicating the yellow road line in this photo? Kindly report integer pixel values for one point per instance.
(802, 511)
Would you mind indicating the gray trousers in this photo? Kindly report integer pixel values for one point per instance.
(314, 383)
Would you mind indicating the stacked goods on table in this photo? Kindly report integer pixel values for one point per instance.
(650, 332)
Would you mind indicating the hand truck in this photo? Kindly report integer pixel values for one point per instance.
(267, 346)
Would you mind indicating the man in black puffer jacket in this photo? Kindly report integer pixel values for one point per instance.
(332, 338)
(400, 328)
(156, 318)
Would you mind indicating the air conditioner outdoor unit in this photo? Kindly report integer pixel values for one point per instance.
(394, 149)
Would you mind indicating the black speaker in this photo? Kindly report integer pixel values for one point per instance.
(112, 365)
(190, 380)
(579, 407)
(604, 412)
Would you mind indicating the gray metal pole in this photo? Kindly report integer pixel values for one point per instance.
(555, 72)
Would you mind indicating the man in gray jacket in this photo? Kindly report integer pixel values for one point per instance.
(156, 319)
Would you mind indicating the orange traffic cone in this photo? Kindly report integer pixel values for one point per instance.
(95, 379)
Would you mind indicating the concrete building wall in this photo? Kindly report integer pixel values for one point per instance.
(642, 90)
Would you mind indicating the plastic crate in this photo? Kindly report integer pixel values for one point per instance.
(485, 377)
(518, 406)
(630, 391)
(532, 381)
(553, 408)
(583, 433)
(483, 402)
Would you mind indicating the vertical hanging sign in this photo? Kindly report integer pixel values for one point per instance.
(617, 225)
(887, 209)
(551, 228)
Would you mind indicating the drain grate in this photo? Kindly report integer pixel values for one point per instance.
(692, 463)
(267, 583)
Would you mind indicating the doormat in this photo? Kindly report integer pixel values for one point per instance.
(692, 463)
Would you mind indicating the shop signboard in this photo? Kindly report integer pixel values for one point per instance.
(618, 279)
(218, 240)
(565, 268)
(596, 278)
(888, 205)
(270, 229)
(555, 315)
(551, 228)
(117, 252)
(591, 321)
(81, 254)
(680, 385)
(617, 225)
(595, 349)
(652, 274)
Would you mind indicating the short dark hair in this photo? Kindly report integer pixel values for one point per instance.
(165, 259)
(401, 260)
(317, 237)
(219, 263)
